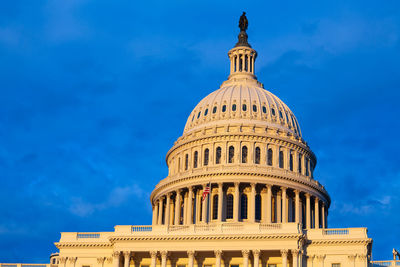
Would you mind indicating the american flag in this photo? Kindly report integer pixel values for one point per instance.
(206, 192)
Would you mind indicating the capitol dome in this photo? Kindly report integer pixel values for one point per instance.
(241, 159)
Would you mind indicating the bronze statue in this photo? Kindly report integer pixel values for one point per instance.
(243, 22)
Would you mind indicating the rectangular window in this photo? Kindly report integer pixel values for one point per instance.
(335, 264)
(271, 265)
(148, 265)
(207, 265)
(178, 265)
(234, 265)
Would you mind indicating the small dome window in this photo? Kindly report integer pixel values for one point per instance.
(244, 107)
(214, 109)
(206, 112)
(264, 109)
(280, 114)
(223, 108)
(234, 107)
(273, 111)
(193, 117)
(198, 115)
(254, 108)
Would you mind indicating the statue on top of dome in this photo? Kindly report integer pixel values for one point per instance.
(243, 22)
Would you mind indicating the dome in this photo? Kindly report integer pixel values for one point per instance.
(243, 103)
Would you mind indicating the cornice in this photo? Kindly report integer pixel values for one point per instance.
(364, 241)
(81, 244)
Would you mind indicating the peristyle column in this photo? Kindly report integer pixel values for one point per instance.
(256, 254)
(284, 205)
(245, 254)
(191, 258)
(295, 256)
(252, 214)
(297, 206)
(236, 203)
(269, 203)
(220, 199)
(177, 207)
(127, 258)
(167, 209)
(316, 213)
(190, 206)
(164, 255)
(160, 210)
(218, 255)
(284, 253)
(308, 211)
(116, 256)
(153, 255)
(204, 206)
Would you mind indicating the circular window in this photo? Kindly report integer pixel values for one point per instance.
(244, 107)
(223, 108)
(214, 109)
(234, 107)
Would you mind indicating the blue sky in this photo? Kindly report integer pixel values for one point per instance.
(94, 93)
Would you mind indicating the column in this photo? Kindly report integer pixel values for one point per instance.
(352, 260)
(301, 258)
(295, 161)
(236, 203)
(127, 258)
(220, 199)
(310, 260)
(284, 253)
(308, 211)
(100, 261)
(191, 258)
(316, 213)
(167, 209)
(190, 206)
(153, 255)
(284, 206)
(160, 210)
(204, 206)
(256, 254)
(218, 255)
(278, 207)
(323, 214)
(295, 256)
(321, 259)
(116, 255)
(198, 205)
(252, 213)
(245, 254)
(177, 207)
(264, 205)
(297, 206)
(185, 202)
(155, 212)
(164, 255)
(72, 260)
(269, 204)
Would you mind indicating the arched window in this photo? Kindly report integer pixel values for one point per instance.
(273, 112)
(223, 108)
(243, 206)
(244, 107)
(229, 206)
(257, 156)
(206, 112)
(245, 63)
(179, 164)
(280, 159)
(291, 162)
(300, 167)
(231, 154)
(254, 108)
(215, 207)
(206, 155)
(234, 107)
(198, 114)
(186, 162)
(258, 207)
(195, 158)
(218, 155)
(269, 157)
(264, 109)
(244, 154)
(307, 161)
(214, 109)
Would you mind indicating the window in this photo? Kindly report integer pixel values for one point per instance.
(257, 156)
(254, 108)
(148, 265)
(280, 159)
(299, 169)
(243, 206)
(258, 207)
(273, 111)
(195, 158)
(280, 114)
(198, 114)
(229, 206)
(270, 157)
(234, 107)
(244, 154)
(193, 117)
(335, 264)
(215, 207)
(223, 108)
(177, 265)
(231, 154)
(271, 265)
(244, 107)
(307, 161)
(206, 155)
(264, 109)
(186, 162)
(214, 109)
(291, 162)
(245, 63)
(206, 112)
(218, 155)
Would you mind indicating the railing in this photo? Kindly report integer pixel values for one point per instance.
(336, 232)
(142, 228)
(88, 235)
(232, 226)
(385, 263)
(172, 228)
(268, 226)
(24, 265)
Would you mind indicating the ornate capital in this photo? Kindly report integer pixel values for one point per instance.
(351, 257)
(153, 254)
(245, 253)
(72, 259)
(109, 259)
(191, 253)
(295, 252)
(236, 184)
(284, 252)
(164, 253)
(321, 257)
(253, 185)
(127, 254)
(62, 260)
(100, 260)
(116, 254)
(256, 253)
(218, 253)
(362, 256)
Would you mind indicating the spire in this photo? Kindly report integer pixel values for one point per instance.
(242, 56)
